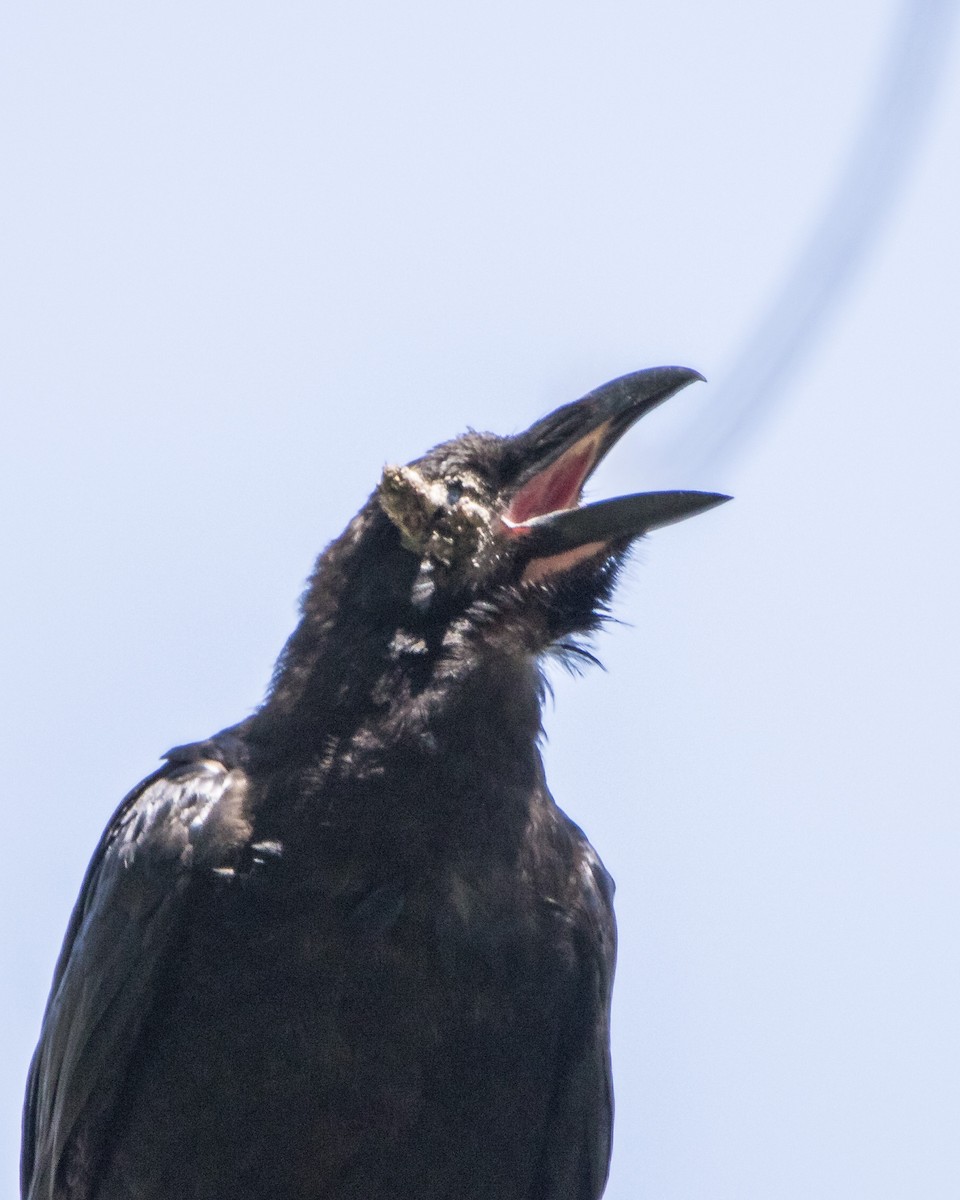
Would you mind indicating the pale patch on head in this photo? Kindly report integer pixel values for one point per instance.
(412, 502)
(449, 527)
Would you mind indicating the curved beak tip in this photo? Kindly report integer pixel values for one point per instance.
(562, 451)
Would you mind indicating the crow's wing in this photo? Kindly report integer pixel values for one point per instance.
(576, 1156)
(186, 819)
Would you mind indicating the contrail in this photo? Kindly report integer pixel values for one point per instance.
(876, 170)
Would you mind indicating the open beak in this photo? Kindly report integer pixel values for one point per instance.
(555, 457)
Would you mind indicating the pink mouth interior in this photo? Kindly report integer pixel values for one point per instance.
(558, 486)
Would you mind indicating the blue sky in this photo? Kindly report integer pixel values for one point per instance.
(250, 253)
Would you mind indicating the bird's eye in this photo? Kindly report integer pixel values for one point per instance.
(454, 491)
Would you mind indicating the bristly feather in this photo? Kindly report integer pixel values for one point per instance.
(574, 657)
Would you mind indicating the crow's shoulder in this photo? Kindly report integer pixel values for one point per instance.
(189, 818)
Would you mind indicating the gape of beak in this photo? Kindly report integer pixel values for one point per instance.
(557, 456)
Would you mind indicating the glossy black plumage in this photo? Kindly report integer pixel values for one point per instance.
(350, 947)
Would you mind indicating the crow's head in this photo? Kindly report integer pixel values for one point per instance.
(490, 518)
(480, 552)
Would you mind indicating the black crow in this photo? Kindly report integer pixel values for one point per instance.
(350, 947)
